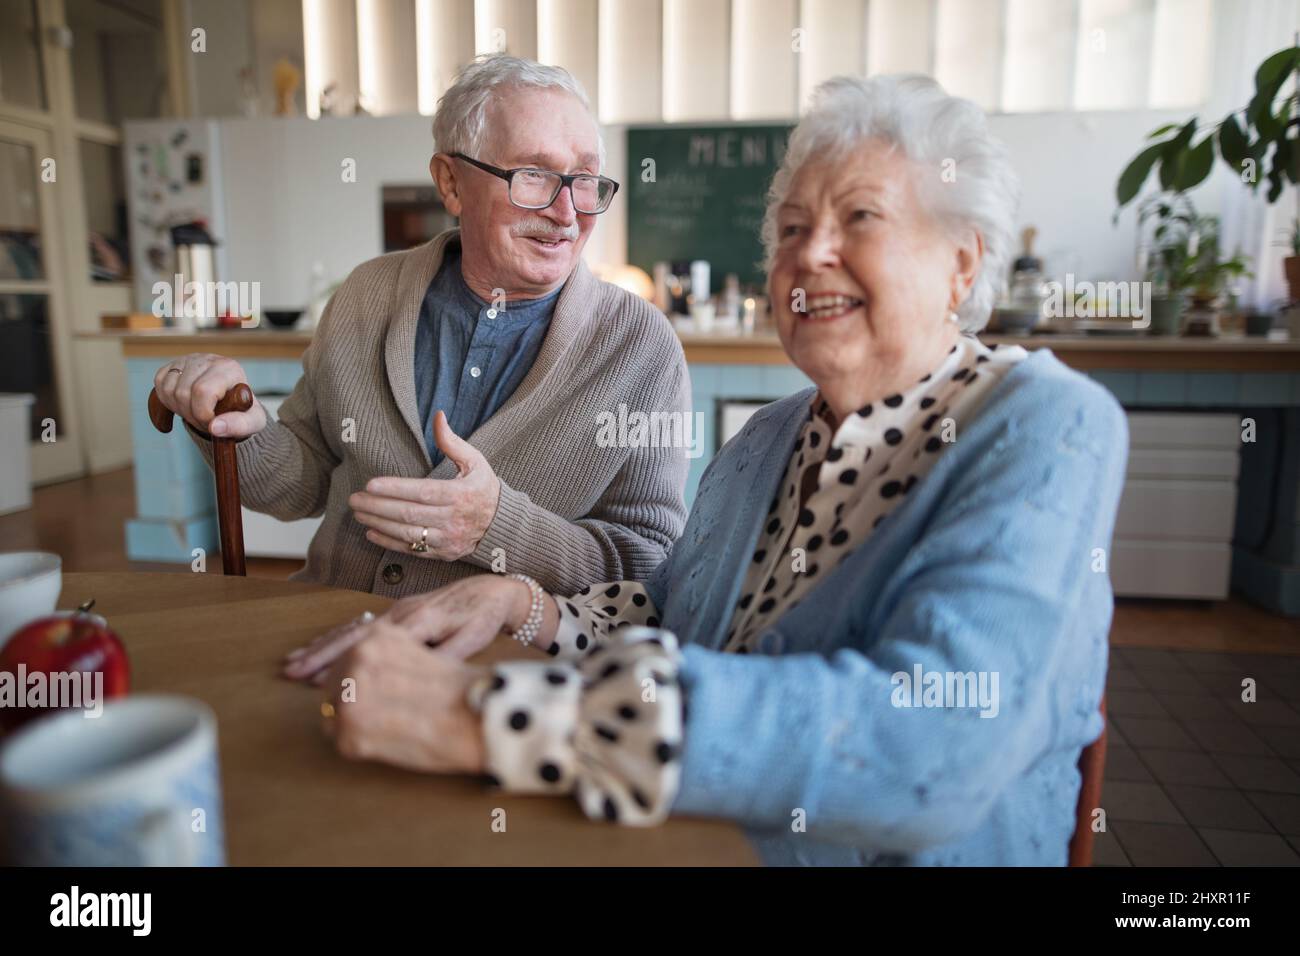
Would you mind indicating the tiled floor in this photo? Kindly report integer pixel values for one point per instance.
(1195, 776)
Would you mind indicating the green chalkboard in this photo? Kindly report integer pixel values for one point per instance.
(703, 195)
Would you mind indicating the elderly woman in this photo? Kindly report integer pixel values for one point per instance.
(869, 564)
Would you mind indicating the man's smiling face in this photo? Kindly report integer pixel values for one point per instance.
(525, 252)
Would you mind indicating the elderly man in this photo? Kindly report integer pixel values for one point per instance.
(446, 419)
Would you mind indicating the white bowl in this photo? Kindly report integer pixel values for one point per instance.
(30, 582)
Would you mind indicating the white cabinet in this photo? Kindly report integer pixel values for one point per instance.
(1173, 533)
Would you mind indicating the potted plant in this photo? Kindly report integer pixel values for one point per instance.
(1262, 137)
(1208, 272)
(1291, 264)
(1184, 261)
(1259, 142)
(1167, 259)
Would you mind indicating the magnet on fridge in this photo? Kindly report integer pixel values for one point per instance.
(194, 168)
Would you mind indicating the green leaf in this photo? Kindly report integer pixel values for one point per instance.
(1275, 67)
(1285, 160)
(1195, 165)
(1169, 166)
(1135, 174)
(1184, 136)
(1173, 155)
(1259, 111)
(1274, 185)
(1167, 128)
(1233, 145)
(1269, 126)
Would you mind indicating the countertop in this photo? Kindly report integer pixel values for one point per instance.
(1117, 351)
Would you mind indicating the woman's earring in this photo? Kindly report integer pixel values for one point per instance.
(954, 318)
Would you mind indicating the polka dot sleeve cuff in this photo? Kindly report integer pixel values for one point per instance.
(588, 618)
(608, 729)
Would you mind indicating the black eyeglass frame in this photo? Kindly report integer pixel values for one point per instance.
(566, 181)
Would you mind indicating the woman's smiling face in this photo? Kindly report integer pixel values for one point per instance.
(863, 276)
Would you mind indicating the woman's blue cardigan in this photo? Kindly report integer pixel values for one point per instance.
(995, 566)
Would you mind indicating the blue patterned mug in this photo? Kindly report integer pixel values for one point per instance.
(137, 786)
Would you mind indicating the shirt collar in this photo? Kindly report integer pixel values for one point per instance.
(858, 424)
(525, 311)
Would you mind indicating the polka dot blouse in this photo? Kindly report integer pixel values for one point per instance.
(605, 720)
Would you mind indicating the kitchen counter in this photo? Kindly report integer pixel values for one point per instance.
(1129, 352)
(1124, 351)
(1255, 378)
(234, 343)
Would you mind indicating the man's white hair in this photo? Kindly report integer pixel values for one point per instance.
(940, 134)
(461, 121)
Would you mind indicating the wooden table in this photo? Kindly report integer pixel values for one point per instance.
(289, 798)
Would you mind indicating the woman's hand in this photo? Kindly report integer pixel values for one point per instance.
(460, 619)
(390, 699)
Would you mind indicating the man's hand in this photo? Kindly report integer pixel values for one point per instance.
(192, 385)
(455, 512)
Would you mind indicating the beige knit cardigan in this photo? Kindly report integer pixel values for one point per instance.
(571, 512)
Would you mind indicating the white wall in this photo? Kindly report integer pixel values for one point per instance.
(277, 35)
(1068, 164)
(229, 49)
(288, 207)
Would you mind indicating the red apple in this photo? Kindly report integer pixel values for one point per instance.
(63, 643)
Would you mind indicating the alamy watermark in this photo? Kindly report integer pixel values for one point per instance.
(924, 688)
(636, 429)
(76, 690)
(207, 300)
(1098, 300)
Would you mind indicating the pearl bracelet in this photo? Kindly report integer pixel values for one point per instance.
(527, 632)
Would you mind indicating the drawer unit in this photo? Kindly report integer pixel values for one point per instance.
(1173, 532)
(1182, 569)
(1175, 509)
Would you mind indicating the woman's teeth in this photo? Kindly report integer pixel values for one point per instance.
(826, 306)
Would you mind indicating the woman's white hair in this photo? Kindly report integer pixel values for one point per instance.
(460, 124)
(967, 177)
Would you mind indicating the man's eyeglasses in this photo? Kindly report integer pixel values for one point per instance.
(538, 188)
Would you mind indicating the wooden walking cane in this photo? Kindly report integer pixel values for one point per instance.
(226, 467)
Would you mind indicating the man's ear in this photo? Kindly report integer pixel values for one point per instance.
(443, 170)
(970, 255)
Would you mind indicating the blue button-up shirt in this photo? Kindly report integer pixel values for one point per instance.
(469, 355)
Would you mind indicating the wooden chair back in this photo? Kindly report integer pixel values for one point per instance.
(1092, 766)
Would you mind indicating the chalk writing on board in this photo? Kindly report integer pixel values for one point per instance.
(735, 149)
(709, 196)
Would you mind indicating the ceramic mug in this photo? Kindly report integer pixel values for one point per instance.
(30, 582)
(137, 786)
